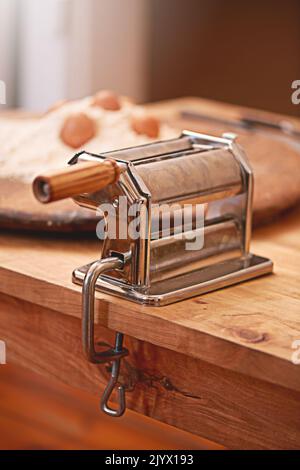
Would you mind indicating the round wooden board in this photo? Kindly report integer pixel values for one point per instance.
(20, 210)
(275, 161)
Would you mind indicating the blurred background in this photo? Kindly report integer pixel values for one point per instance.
(240, 52)
(244, 53)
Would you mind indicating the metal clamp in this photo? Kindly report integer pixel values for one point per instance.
(113, 355)
(113, 382)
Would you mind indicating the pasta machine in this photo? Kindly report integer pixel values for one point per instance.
(167, 186)
(181, 214)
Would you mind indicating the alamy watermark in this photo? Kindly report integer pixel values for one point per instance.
(2, 92)
(296, 354)
(295, 97)
(2, 352)
(122, 221)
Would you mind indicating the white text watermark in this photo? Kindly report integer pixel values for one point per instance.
(2, 92)
(2, 352)
(296, 93)
(122, 221)
(296, 354)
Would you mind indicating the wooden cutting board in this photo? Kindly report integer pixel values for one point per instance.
(275, 161)
(20, 210)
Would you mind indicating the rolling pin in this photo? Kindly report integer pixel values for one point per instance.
(85, 177)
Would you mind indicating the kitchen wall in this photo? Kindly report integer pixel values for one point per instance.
(241, 52)
(56, 49)
(8, 55)
(121, 46)
(244, 52)
(44, 38)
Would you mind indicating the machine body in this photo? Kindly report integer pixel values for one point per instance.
(198, 186)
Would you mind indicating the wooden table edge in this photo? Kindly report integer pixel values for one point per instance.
(110, 313)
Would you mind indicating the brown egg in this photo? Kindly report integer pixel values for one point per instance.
(58, 104)
(108, 100)
(77, 130)
(148, 125)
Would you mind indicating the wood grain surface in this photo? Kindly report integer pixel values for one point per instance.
(275, 160)
(19, 210)
(248, 328)
(229, 408)
(218, 365)
(37, 413)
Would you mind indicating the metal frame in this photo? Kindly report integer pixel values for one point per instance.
(139, 288)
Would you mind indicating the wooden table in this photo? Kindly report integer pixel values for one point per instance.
(219, 365)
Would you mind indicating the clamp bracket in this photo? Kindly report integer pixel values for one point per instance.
(113, 355)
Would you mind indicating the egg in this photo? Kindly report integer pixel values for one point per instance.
(145, 124)
(77, 130)
(108, 100)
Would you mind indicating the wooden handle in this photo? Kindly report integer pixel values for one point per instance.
(83, 177)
